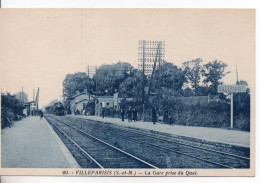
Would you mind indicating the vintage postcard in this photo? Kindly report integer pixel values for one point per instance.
(127, 92)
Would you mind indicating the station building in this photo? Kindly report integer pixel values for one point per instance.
(80, 100)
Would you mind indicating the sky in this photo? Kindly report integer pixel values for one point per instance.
(39, 47)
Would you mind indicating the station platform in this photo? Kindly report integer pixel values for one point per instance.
(215, 135)
(32, 143)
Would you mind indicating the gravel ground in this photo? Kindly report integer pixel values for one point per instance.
(232, 137)
(31, 143)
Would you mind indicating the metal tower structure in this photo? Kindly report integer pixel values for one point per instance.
(91, 71)
(147, 53)
(150, 56)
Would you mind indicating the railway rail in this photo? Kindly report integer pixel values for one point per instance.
(217, 158)
(229, 150)
(99, 153)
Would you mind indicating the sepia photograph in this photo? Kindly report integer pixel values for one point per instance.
(127, 92)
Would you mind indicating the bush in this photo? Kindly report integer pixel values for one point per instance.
(214, 114)
(10, 108)
(242, 123)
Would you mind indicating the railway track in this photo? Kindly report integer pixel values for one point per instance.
(98, 153)
(240, 152)
(165, 144)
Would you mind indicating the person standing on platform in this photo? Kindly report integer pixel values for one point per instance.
(103, 112)
(135, 115)
(154, 115)
(123, 114)
(129, 114)
(41, 114)
(165, 116)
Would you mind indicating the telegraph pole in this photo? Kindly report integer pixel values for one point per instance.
(20, 97)
(143, 76)
(148, 52)
(22, 94)
(160, 73)
(237, 76)
(231, 112)
(88, 85)
(33, 92)
(96, 81)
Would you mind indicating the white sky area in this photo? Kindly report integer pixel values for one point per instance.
(40, 46)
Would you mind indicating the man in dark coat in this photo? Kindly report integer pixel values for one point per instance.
(103, 112)
(41, 114)
(123, 114)
(135, 115)
(154, 115)
(165, 116)
(129, 115)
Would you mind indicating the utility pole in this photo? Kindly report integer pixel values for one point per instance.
(37, 99)
(20, 97)
(22, 94)
(237, 76)
(88, 85)
(160, 72)
(231, 112)
(149, 52)
(33, 92)
(143, 76)
(154, 67)
(96, 81)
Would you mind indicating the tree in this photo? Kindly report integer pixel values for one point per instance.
(202, 91)
(213, 72)
(10, 108)
(109, 77)
(132, 85)
(169, 76)
(21, 96)
(76, 82)
(192, 70)
(187, 92)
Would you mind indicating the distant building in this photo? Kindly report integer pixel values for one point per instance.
(108, 102)
(103, 102)
(80, 100)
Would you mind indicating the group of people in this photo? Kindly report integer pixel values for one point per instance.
(131, 114)
(81, 112)
(76, 112)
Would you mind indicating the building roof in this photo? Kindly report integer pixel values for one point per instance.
(104, 96)
(80, 94)
(80, 101)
